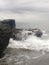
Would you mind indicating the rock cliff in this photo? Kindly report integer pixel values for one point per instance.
(6, 32)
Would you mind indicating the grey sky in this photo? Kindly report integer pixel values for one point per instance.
(25, 10)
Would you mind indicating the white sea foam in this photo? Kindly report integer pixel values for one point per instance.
(32, 43)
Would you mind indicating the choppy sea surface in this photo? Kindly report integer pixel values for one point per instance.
(28, 51)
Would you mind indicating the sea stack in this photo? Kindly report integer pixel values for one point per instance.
(6, 32)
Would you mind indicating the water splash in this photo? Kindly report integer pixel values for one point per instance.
(32, 43)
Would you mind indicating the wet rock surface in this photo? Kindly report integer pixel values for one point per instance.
(38, 33)
(6, 32)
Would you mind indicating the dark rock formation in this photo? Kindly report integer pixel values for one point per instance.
(10, 23)
(38, 33)
(6, 32)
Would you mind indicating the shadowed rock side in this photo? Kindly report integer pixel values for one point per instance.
(6, 32)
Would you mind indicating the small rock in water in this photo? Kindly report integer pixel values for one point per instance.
(38, 33)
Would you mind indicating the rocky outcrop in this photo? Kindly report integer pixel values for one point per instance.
(21, 34)
(6, 32)
(38, 33)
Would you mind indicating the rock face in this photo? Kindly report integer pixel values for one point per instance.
(6, 32)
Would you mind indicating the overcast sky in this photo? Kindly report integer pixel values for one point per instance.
(25, 10)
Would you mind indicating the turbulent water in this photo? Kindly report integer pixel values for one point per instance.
(31, 42)
(26, 51)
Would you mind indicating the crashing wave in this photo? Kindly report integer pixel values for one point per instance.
(32, 43)
(23, 34)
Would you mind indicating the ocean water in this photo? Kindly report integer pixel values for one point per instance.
(34, 24)
(31, 42)
(26, 51)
